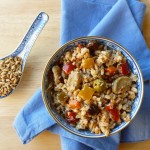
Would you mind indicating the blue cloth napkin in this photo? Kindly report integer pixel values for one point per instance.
(120, 20)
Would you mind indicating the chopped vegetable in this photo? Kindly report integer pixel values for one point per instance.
(124, 68)
(74, 81)
(93, 110)
(113, 111)
(92, 45)
(74, 104)
(71, 117)
(111, 70)
(57, 74)
(121, 84)
(86, 93)
(99, 85)
(88, 63)
(67, 68)
(62, 97)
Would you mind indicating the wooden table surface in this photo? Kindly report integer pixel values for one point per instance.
(15, 18)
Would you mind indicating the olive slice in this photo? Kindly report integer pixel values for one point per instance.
(99, 85)
(62, 97)
(121, 84)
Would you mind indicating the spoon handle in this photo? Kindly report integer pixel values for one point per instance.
(24, 48)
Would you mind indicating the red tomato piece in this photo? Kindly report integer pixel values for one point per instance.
(115, 114)
(74, 104)
(124, 68)
(109, 107)
(68, 67)
(113, 111)
(111, 70)
(71, 117)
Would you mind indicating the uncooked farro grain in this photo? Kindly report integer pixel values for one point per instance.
(10, 74)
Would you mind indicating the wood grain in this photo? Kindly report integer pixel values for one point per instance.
(15, 18)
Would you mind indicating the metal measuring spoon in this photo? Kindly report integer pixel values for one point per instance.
(25, 47)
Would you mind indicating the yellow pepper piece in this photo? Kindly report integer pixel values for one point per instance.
(88, 63)
(86, 93)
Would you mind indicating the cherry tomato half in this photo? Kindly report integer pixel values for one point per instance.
(71, 117)
(113, 111)
(124, 68)
(68, 67)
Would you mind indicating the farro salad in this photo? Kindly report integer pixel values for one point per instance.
(93, 87)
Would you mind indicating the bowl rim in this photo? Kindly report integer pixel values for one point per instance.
(90, 38)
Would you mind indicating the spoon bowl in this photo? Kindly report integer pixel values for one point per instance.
(26, 45)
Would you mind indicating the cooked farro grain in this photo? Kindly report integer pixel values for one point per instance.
(94, 88)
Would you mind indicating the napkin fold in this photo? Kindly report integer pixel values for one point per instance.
(120, 20)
